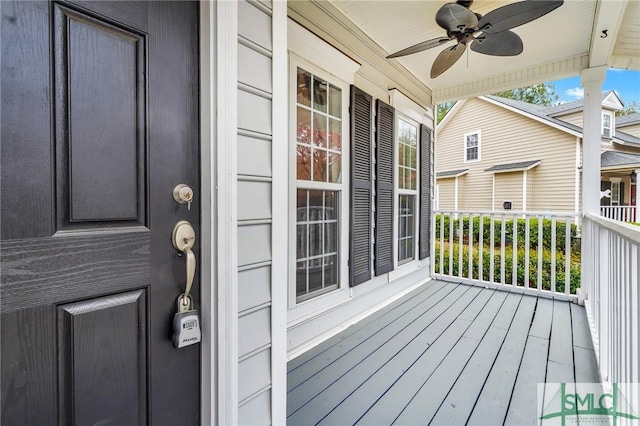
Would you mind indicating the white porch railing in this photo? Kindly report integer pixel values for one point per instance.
(621, 213)
(611, 271)
(527, 251)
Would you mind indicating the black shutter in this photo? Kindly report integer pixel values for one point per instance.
(621, 197)
(385, 121)
(360, 229)
(425, 192)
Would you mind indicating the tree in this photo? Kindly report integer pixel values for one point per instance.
(540, 94)
(629, 109)
(442, 110)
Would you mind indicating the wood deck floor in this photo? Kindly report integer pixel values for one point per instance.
(445, 354)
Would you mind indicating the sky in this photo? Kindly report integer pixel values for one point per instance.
(626, 84)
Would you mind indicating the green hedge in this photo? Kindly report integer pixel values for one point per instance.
(561, 230)
(574, 269)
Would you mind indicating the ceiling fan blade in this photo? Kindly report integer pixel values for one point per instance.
(452, 16)
(446, 59)
(516, 14)
(505, 43)
(429, 44)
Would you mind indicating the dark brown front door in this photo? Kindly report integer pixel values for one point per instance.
(99, 124)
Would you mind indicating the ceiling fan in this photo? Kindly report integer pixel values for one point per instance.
(488, 34)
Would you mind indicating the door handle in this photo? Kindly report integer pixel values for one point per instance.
(183, 238)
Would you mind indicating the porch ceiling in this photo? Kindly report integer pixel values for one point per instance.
(557, 45)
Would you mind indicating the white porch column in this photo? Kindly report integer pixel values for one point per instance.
(592, 79)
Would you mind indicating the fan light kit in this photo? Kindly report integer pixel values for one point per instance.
(487, 34)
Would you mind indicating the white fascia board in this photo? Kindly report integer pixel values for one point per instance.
(408, 107)
(612, 101)
(621, 166)
(621, 142)
(606, 25)
(307, 45)
(531, 116)
(454, 109)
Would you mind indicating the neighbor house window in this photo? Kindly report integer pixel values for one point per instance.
(472, 146)
(407, 143)
(607, 119)
(319, 183)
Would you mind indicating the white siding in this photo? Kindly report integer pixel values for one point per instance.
(254, 212)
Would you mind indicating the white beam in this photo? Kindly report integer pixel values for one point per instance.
(592, 79)
(607, 22)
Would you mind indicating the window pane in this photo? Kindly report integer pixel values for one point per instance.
(301, 241)
(335, 101)
(317, 241)
(319, 94)
(301, 278)
(319, 165)
(304, 87)
(335, 134)
(406, 227)
(303, 158)
(330, 271)
(303, 130)
(319, 130)
(335, 168)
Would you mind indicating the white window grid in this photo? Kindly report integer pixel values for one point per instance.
(472, 146)
(607, 121)
(407, 190)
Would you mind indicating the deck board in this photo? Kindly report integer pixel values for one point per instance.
(356, 370)
(404, 304)
(459, 403)
(369, 334)
(493, 402)
(447, 353)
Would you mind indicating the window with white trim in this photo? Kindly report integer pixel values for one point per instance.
(472, 146)
(407, 190)
(607, 124)
(320, 203)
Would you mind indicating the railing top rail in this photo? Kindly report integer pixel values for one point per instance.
(625, 230)
(511, 213)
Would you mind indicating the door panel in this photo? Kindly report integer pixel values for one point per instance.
(100, 123)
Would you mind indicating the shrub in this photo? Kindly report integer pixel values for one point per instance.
(534, 238)
(534, 272)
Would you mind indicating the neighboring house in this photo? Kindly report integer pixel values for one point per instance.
(495, 154)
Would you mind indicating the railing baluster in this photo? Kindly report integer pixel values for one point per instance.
(441, 254)
(492, 245)
(514, 258)
(527, 241)
(451, 240)
(540, 238)
(502, 242)
(480, 246)
(470, 246)
(460, 234)
(567, 255)
(553, 254)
